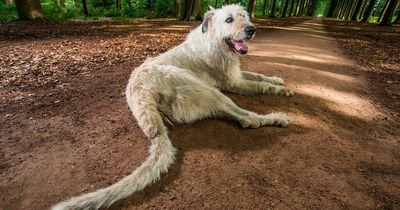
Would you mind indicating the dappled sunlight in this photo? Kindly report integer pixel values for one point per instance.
(300, 29)
(319, 58)
(346, 103)
(308, 121)
(336, 76)
(321, 71)
(331, 77)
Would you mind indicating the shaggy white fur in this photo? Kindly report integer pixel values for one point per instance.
(181, 86)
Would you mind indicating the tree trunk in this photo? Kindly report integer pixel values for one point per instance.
(191, 10)
(397, 20)
(292, 7)
(306, 7)
(227, 2)
(341, 9)
(337, 8)
(177, 8)
(196, 11)
(348, 10)
(285, 8)
(273, 7)
(356, 10)
(351, 11)
(313, 5)
(265, 7)
(62, 3)
(344, 9)
(300, 8)
(251, 7)
(360, 15)
(368, 11)
(84, 6)
(104, 3)
(29, 9)
(387, 14)
(332, 8)
(215, 3)
(118, 4)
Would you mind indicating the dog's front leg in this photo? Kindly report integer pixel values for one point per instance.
(259, 77)
(249, 87)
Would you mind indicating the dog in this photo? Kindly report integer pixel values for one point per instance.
(183, 85)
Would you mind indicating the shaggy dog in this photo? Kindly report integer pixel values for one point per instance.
(183, 85)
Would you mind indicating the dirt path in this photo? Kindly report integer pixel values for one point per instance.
(341, 152)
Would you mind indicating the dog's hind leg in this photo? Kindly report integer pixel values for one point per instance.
(262, 78)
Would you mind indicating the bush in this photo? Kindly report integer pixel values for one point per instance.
(8, 12)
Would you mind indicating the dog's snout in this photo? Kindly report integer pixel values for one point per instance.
(250, 30)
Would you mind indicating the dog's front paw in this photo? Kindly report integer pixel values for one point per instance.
(282, 91)
(251, 121)
(274, 119)
(276, 80)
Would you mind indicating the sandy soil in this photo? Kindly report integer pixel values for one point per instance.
(342, 151)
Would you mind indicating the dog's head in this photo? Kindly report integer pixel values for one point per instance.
(229, 25)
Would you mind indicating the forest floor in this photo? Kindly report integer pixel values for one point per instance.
(65, 127)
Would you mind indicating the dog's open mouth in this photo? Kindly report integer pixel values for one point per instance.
(238, 46)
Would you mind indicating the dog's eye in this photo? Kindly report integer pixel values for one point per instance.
(229, 20)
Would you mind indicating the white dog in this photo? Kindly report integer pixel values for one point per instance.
(181, 86)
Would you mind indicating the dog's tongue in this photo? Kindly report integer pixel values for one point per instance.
(240, 46)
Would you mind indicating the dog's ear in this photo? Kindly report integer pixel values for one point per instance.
(207, 19)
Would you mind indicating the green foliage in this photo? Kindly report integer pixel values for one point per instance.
(8, 12)
(53, 11)
(322, 8)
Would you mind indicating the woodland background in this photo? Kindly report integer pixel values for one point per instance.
(384, 12)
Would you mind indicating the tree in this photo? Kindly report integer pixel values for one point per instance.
(348, 10)
(265, 7)
(117, 4)
(356, 10)
(191, 10)
(285, 8)
(8, 1)
(84, 6)
(344, 9)
(273, 7)
(29, 9)
(312, 7)
(62, 3)
(227, 2)
(332, 8)
(397, 20)
(340, 9)
(293, 7)
(368, 11)
(300, 8)
(251, 7)
(360, 15)
(387, 14)
(177, 8)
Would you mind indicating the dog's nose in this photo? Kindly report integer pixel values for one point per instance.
(250, 30)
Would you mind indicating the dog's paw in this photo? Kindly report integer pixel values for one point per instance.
(276, 80)
(282, 91)
(251, 121)
(256, 121)
(278, 119)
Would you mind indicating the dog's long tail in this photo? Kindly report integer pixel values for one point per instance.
(161, 156)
